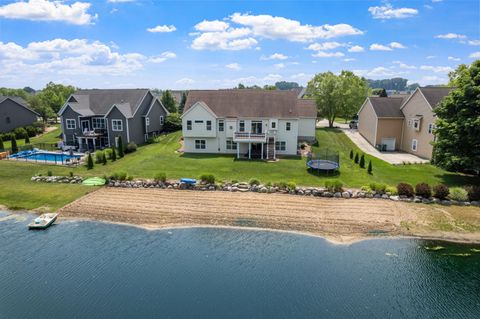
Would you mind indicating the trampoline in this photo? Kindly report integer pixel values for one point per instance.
(323, 161)
(323, 165)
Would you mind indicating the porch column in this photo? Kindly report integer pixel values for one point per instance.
(238, 150)
(262, 152)
(94, 140)
(249, 150)
(274, 149)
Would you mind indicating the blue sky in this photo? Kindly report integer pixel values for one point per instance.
(217, 44)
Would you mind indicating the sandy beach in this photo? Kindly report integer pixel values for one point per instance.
(337, 220)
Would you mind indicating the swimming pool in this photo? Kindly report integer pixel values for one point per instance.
(44, 156)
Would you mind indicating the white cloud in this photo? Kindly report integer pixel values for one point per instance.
(60, 57)
(387, 11)
(349, 59)
(436, 1)
(397, 45)
(450, 36)
(185, 81)
(474, 42)
(436, 69)
(215, 25)
(452, 58)
(271, 27)
(380, 47)
(432, 80)
(322, 54)
(389, 47)
(162, 29)
(324, 46)
(301, 76)
(120, 1)
(162, 57)
(44, 10)
(275, 56)
(233, 66)
(402, 65)
(230, 39)
(221, 35)
(279, 65)
(429, 57)
(475, 55)
(356, 48)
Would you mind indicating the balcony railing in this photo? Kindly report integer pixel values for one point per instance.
(249, 137)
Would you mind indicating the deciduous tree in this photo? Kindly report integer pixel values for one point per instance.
(168, 101)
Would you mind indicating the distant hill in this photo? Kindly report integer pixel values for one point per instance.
(394, 84)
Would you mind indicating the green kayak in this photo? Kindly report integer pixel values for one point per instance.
(94, 181)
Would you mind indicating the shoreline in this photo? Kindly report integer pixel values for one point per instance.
(336, 220)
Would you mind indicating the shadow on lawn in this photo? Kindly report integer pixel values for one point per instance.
(453, 179)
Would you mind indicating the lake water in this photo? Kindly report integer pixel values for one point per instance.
(95, 270)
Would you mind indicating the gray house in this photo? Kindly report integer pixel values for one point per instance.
(94, 119)
(14, 113)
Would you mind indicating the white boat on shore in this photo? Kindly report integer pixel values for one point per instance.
(43, 221)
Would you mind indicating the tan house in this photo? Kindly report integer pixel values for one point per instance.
(402, 123)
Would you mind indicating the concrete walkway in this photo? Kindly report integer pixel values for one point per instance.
(394, 158)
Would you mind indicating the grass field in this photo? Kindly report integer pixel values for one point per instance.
(50, 137)
(16, 190)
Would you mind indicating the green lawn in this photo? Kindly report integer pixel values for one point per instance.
(50, 137)
(17, 190)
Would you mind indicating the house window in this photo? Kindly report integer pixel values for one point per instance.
(200, 144)
(209, 125)
(98, 123)
(241, 126)
(221, 126)
(231, 145)
(189, 125)
(71, 124)
(8, 120)
(161, 120)
(147, 121)
(198, 121)
(414, 145)
(288, 126)
(117, 125)
(280, 146)
(274, 125)
(431, 127)
(416, 124)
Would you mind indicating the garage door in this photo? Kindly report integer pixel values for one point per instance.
(390, 142)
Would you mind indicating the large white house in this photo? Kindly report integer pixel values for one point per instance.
(248, 123)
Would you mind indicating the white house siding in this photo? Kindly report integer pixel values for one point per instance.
(306, 129)
(198, 113)
(290, 137)
(417, 105)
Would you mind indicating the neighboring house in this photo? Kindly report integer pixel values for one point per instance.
(248, 123)
(402, 123)
(14, 113)
(94, 119)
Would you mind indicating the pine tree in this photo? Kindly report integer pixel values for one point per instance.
(356, 158)
(182, 103)
(168, 101)
(121, 149)
(89, 161)
(104, 160)
(14, 145)
(362, 161)
(2, 147)
(27, 139)
(114, 154)
(351, 154)
(383, 93)
(369, 167)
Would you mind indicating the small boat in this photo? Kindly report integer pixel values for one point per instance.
(43, 221)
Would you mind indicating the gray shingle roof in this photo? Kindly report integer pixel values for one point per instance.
(18, 100)
(435, 94)
(99, 102)
(387, 106)
(252, 103)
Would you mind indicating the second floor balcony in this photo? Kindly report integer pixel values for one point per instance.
(249, 137)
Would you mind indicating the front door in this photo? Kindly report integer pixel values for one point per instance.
(257, 127)
(85, 125)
